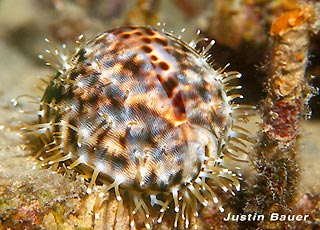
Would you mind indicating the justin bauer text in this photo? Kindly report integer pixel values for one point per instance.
(259, 217)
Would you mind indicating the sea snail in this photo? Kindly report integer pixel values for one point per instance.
(147, 114)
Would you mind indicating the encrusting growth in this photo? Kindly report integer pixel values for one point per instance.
(286, 104)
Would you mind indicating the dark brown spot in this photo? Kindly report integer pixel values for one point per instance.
(118, 163)
(116, 31)
(151, 179)
(179, 108)
(116, 96)
(163, 65)
(123, 139)
(146, 40)
(163, 186)
(93, 98)
(93, 80)
(150, 31)
(99, 152)
(125, 36)
(160, 41)
(138, 33)
(169, 85)
(182, 63)
(154, 58)
(102, 135)
(160, 78)
(176, 178)
(72, 135)
(132, 66)
(146, 49)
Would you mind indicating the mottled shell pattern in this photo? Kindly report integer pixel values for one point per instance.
(149, 116)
